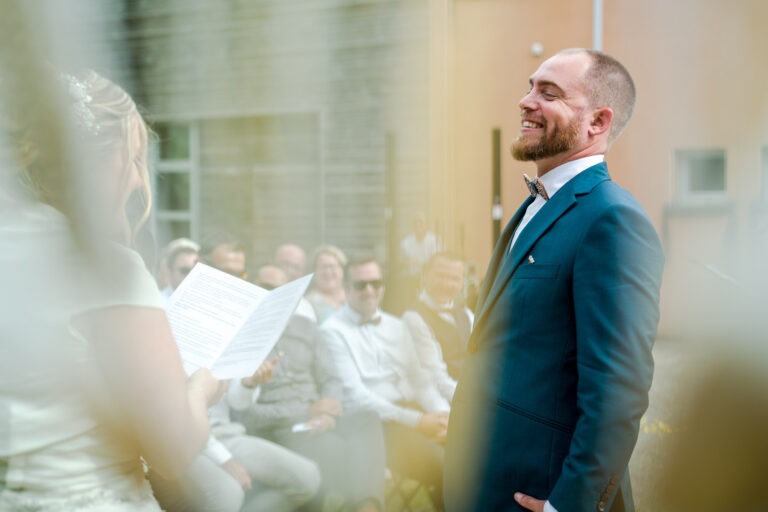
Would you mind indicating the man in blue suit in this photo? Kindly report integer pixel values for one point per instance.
(547, 410)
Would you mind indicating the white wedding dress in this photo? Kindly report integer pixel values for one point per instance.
(57, 452)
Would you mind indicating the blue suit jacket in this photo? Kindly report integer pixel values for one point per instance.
(559, 363)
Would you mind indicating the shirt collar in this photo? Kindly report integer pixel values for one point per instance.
(562, 174)
(353, 316)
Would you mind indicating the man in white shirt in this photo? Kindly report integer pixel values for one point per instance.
(418, 246)
(377, 362)
(439, 323)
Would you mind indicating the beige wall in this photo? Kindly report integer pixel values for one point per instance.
(700, 71)
(491, 63)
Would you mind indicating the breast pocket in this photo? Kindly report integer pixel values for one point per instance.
(535, 285)
(536, 271)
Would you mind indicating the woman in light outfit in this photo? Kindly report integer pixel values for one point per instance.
(90, 377)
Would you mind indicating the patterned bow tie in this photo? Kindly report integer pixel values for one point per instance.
(536, 187)
(372, 321)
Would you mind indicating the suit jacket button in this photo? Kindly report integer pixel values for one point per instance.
(601, 506)
(614, 479)
(472, 347)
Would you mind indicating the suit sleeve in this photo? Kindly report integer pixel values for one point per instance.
(616, 281)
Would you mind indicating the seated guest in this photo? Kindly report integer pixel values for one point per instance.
(224, 252)
(327, 293)
(270, 277)
(239, 472)
(177, 260)
(439, 323)
(300, 408)
(375, 357)
(292, 259)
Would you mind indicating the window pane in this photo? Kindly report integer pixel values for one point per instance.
(174, 141)
(173, 191)
(701, 176)
(707, 173)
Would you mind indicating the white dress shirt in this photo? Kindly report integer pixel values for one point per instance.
(378, 365)
(428, 347)
(554, 181)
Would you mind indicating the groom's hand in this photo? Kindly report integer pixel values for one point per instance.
(529, 502)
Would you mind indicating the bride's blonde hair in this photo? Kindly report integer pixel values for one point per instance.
(115, 118)
(99, 120)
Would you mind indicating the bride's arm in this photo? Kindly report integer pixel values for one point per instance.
(164, 412)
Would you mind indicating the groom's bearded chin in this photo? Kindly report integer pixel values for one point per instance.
(554, 143)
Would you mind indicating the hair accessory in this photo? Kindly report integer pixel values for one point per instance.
(78, 91)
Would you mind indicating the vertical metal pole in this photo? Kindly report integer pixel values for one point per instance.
(496, 180)
(597, 25)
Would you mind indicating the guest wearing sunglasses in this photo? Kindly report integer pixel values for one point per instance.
(300, 408)
(375, 357)
(179, 257)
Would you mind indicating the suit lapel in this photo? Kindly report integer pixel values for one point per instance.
(499, 255)
(562, 201)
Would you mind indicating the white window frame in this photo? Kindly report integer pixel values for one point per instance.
(190, 165)
(764, 174)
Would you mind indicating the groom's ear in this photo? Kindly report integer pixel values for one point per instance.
(601, 121)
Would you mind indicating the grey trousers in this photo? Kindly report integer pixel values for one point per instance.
(351, 457)
(282, 480)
